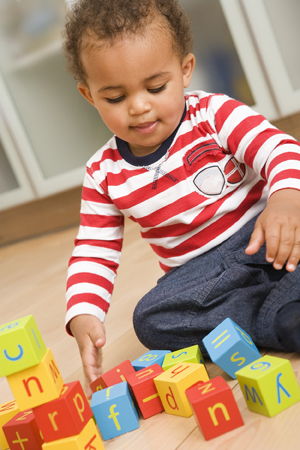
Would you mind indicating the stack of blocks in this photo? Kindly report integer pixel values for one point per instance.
(160, 380)
(46, 413)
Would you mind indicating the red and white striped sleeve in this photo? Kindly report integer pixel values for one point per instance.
(95, 258)
(253, 140)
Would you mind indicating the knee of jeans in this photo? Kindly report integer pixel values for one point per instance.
(144, 327)
(140, 322)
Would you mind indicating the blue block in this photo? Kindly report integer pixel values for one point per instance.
(150, 358)
(230, 347)
(114, 411)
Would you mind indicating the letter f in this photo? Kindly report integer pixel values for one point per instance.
(113, 415)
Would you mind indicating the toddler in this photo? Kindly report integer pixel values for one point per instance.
(212, 184)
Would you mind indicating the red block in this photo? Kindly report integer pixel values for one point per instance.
(66, 415)
(144, 390)
(22, 432)
(214, 407)
(113, 376)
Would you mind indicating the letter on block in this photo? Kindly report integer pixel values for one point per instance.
(172, 384)
(64, 416)
(7, 411)
(149, 359)
(88, 439)
(230, 347)
(114, 411)
(189, 354)
(114, 376)
(144, 390)
(22, 432)
(214, 407)
(269, 385)
(21, 346)
(38, 384)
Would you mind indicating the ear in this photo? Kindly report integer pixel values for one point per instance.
(85, 92)
(188, 65)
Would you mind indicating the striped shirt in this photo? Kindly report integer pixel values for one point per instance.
(210, 177)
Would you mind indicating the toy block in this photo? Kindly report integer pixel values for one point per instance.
(189, 354)
(7, 411)
(21, 346)
(114, 376)
(172, 384)
(269, 385)
(230, 347)
(214, 407)
(88, 439)
(145, 393)
(150, 358)
(64, 416)
(22, 431)
(114, 411)
(38, 384)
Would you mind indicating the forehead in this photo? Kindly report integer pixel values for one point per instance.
(129, 54)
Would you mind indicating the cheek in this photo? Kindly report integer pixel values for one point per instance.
(172, 109)
(113, 118)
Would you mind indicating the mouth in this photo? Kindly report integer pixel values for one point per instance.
(145, 127)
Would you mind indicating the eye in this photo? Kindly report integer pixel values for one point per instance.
(158, 89)
(115, 100)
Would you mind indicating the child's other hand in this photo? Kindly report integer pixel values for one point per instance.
(279, 226)
(89, 333)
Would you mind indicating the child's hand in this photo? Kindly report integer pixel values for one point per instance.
(89, 333)
(279, 226)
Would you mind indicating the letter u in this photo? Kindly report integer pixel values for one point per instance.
(14, 358)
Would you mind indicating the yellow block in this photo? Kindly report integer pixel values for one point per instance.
(269, 385)
(7, 411)
(88, 439)
(38, 384)
(172, 384)
(189, 354)
(21, 346)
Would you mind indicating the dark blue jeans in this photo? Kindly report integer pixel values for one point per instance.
(190, 301)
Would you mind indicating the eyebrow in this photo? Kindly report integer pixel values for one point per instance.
(153, 77)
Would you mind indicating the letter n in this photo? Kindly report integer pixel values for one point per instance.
(54, 370)
(212, 412)
(26, 385)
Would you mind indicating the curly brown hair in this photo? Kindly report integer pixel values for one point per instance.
(107, 20)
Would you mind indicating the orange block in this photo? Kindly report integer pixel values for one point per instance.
(143, 387)
(88, 439)
(114, 376)
(66, 415)
(214, 407)
(7, 411)
(38, 384)
(22, 432)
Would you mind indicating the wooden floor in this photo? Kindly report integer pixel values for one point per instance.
(32, 281)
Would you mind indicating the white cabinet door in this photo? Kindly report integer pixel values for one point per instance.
(14, 185)
(226, 60)
(56, 131)
(249, 57)
(275, 26)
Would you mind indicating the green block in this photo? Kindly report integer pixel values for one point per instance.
(190, 355)
(21, 346)
(269, 385)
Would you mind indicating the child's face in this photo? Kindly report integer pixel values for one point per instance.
(137, 86)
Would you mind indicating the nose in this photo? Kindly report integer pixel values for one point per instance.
(139, 104)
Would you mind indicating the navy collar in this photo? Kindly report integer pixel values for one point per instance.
(153, 157)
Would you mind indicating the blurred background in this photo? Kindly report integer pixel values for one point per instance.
(246, 49)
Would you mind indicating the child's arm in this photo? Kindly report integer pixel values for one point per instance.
(89, 333)
(279, 226)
